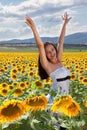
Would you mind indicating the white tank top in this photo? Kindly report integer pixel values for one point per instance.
(61, 72)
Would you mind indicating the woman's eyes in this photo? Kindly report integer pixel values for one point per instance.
(52, 49)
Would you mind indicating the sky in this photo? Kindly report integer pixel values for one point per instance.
(46, 15)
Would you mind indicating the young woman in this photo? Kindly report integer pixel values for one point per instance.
(50, 58)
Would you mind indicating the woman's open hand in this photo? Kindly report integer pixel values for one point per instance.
(66, 17)
(29, 22)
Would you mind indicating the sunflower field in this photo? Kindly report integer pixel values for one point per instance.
(24, 101)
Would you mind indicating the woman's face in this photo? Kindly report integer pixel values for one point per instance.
(50, 52)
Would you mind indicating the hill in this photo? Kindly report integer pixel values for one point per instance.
(76, 38)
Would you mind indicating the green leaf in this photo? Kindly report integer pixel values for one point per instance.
(5, 125)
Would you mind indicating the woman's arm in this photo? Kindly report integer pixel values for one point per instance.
(38, 40)
(62, 35)
(31, 24)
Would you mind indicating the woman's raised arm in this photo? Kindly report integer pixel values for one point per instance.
(31, 24)
(38, 40)
(66, 19)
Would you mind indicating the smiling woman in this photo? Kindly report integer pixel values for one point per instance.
(50, 58)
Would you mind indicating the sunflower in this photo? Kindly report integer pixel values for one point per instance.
(18, 92)
(69, 67)
(22, 85)
(4, 85)
(11, 110)
(14, 71)
(77, 70)
(19, 69)
(77, 66)
(13, 64)
(81, 71)
(2, 71)
(36, 103)
(23, 71)
(67, 106)
(73, 109)
(31, 74)
(27, 83)
(29, 65)
(61, 104)
(35, 65)
(80, 78)
(39, 84)
(23, 67)
(84, 81)
(31, 68)
(48, 81)
(4, 92)
(5, 68)
(37, 74)
(10, 87)
(72, 76)
(14, 76)
(15, 84)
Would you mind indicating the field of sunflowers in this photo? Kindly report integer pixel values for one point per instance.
(23, 96)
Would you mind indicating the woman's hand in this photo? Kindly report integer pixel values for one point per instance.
(29, 22)
(66, 18)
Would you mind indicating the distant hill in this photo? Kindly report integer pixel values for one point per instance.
(76, 38)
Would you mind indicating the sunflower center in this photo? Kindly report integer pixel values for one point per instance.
(31, 73)
(14, 76)
(85, 80)
(22, 85)
(15, 71)
(10, 110)
(18, 91)
(4, 85)
(38, 83)
(4, 91)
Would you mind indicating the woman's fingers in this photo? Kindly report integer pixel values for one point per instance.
(28, 20)
(66, 16)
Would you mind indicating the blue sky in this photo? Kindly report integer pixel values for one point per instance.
(46, 14)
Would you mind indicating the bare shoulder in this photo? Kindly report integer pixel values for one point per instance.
(52, 67)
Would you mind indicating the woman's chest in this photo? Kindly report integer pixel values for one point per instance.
(53, 67)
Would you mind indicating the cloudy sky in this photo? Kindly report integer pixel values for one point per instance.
(46, 14)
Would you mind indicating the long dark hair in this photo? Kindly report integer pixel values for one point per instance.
(41, 71)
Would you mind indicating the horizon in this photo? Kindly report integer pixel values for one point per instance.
(76, 38)
(41, 37)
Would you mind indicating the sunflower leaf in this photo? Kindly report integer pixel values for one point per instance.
(33, 122)
(5, 125)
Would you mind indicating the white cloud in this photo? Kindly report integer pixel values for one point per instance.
(45, 13)
(55, 2)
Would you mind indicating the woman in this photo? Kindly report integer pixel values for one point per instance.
(50, 58)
